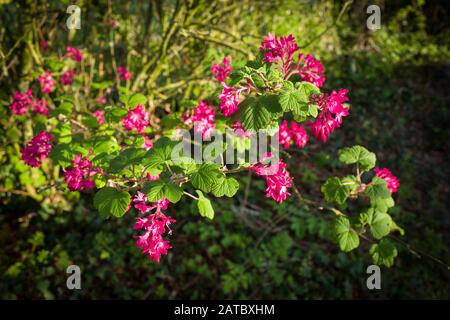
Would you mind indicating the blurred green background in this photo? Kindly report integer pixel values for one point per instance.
(398, 78)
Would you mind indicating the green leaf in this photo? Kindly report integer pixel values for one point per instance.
(204, 206)
(127, 158)
(159, 153)
(64, 108)
(206, 175)
(383, 204)
(383, 253)
(296, 97)
(136, 99)
(335, 190)
(358, 154)
(111, 202)
(346, 237)
(115, 114)
(63, 153)
(161, 189)
(253, 114)
(227, 186)
(106, 144)
(377, 189)
(63, 132)
(380, 223)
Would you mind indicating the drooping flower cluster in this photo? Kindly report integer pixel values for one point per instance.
(277, 178)
(154, 226)
(21, 102)
(331, 112)
(295, 133)
(392, 182)
(74, 54)
(136, 118)
(229, 100)
(79, 175)
(100, 115)
(310, 69)
(123, 73)
(37, 149)
(47, 82)
(67, 77)
(202, 118)
(281, 49)
(221, 71)
(40, 106)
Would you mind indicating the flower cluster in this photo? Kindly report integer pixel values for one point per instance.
(100, 115)
(67, 77)
(391, 181)
(229, 100)
(40, 106)
(136, 118)
(37, 149)
(295, 133)
(74, 54)
(123, 73)
(21, 102)
(79, 175)
(310, 70)
(277, 178)
(221, 71)
(202, 118)
(281, 49)
(331, 113)
(47, 82)
(154, 226)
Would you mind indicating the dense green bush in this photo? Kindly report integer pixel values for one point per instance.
(254, 248)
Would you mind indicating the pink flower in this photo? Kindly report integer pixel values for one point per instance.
(47, 82)
(101, 100)
(150, 177)
(277, 178)
(391, 180)
(310, 70)
(329, 106)
(154, 226)
(299, 134)
(40, 106)
(296, 133)
(202, 118)
(221, 71)
(239, 130)
(79, 175)
(281, 49)
(21, 102)
(38, 149)
(148, 144)
(74, 54)
(67, 77)
(100, 115)
(124, 73)
(229, 100)
(284, 135)
(136, 118)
